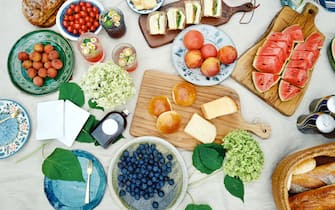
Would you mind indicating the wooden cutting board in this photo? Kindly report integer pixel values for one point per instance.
(243, 69)
(156, 83)
(160, 40)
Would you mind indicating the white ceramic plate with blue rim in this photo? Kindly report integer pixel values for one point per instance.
(144, 11)
(70, 195)
(14, 132)
(211, 35)
(174, 194)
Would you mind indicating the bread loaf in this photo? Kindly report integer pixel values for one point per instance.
(41, 12)
(322, 198)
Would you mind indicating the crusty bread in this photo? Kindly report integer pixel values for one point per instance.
(304, 167)
(41, 12)
(322, 198)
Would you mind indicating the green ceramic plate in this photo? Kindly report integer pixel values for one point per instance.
(18, 74)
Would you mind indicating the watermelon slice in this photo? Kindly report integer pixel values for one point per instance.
(308, 56)
(264, 81)
(268, 64)
(279, 36)
(287, 91)
(295, 32)
(331, 53)
(280, 44)
(296, 76)
(315, 38)
(307, 46)
(277, 51)
(301, 64)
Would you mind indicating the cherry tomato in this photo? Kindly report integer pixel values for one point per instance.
(83, 13)
(71, 23)
(75, 31)
(69, 29)
(92, 28)
(88, 24)
(69, 11)
(76, 26)
(96, 24)
(82, 3)
(76, 16)
(65, 23)
(83, 27)
(88, 5)
(77, 8)
(89, 9)
(71, 18)
(72, 6)
(87, 19)
(95, 9)
(81, 21)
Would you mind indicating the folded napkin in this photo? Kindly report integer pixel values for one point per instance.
(61, 120)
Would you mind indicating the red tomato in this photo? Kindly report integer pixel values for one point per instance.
(69, 29)
(65, 23)
(82, 21)
(88, 5)
(227, 54)
(88, 24)
(77, 16)
(92, 28)
(82, 3)
(89, 9)
(75, 31)
(96, 24)
(92, 14)
(83, 8)
(95, 9)
(69, 11)
(193, 40)
(83, 13)
(72, 6)
(208, 50)
(83, 27)
(77, 8)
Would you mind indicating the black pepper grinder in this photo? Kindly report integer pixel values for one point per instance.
(110, 127)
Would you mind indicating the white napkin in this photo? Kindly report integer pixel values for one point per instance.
(60, 120)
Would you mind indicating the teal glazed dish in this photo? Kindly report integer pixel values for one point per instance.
(211, 35)
(14, 132)
(70, 195)
(18, 74)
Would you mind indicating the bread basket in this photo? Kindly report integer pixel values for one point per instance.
(285, 167)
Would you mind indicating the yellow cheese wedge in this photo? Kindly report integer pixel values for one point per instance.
(200, 129)
(219, 107)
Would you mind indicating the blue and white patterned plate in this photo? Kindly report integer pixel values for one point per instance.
(145, 11)
(70, 195)
(212, 35)
(15, 132)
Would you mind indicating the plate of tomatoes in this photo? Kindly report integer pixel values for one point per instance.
(203, 55)
(76, 17)
(40, 61)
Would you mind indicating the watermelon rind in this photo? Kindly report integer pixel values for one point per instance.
(266, 85)
(293, 91)
(331, 53)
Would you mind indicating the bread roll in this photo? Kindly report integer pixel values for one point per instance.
(322, 198)
(41, 12)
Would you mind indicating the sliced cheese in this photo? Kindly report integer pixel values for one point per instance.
(219, 107)
(200, 129)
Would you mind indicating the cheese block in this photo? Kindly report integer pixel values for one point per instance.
(157, 23)
(193, 12)
(219, 107)
(200, 129)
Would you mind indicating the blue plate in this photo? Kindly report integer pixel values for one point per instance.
(144, 11)
(66, 195)
(211, 35)
(15, 132)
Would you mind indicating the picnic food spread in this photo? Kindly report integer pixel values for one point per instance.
(160, 104)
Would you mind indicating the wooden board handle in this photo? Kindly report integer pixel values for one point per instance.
(260, 129)
(310, 10)
(247, 7)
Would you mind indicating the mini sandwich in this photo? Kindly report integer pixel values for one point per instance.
(193, 12)
(157, 23)
(212, 8)
(176, 18)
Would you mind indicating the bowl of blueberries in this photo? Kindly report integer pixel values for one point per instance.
(148, 173)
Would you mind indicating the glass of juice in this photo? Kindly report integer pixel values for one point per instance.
(125, 56)
(112, 20)
(90, 48)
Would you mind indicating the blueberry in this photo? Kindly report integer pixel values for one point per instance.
(169, 157)
(169, 164)
(171, 182)
(155, 204)
(161, 193)
(137, 197)
(126, 153)
(146, 196)
(122, 193)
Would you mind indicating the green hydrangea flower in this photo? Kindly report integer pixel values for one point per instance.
(244, 157)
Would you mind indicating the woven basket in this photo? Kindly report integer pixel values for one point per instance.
(285, 167)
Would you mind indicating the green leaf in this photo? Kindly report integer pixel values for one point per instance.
(197, 163)
(198, 207)
(218, 147)
(85, 133)
(210, 158)
(72, 92)
(94, 105)
(234, 186)
(62, 165)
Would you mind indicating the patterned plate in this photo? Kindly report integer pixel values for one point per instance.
(212, 35)
(14, 132)
(18, 74)
(145, 11)
(70, 195)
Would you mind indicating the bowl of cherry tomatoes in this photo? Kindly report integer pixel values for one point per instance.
(76, 17)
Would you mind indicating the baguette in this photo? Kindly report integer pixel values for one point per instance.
(322, 198)
(318, 177)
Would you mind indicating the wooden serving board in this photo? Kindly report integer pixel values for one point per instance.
(156, 83)
(244, 68)
(160, 40)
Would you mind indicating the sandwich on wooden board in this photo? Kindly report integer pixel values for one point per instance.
(176, 18)
(212, 8)
(193, 12)
(157, 23)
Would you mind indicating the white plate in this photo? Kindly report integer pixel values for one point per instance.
(173, 194)
(145, 11)
(212, 35)
(63, 9)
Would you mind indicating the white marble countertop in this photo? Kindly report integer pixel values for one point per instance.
(21, 184)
